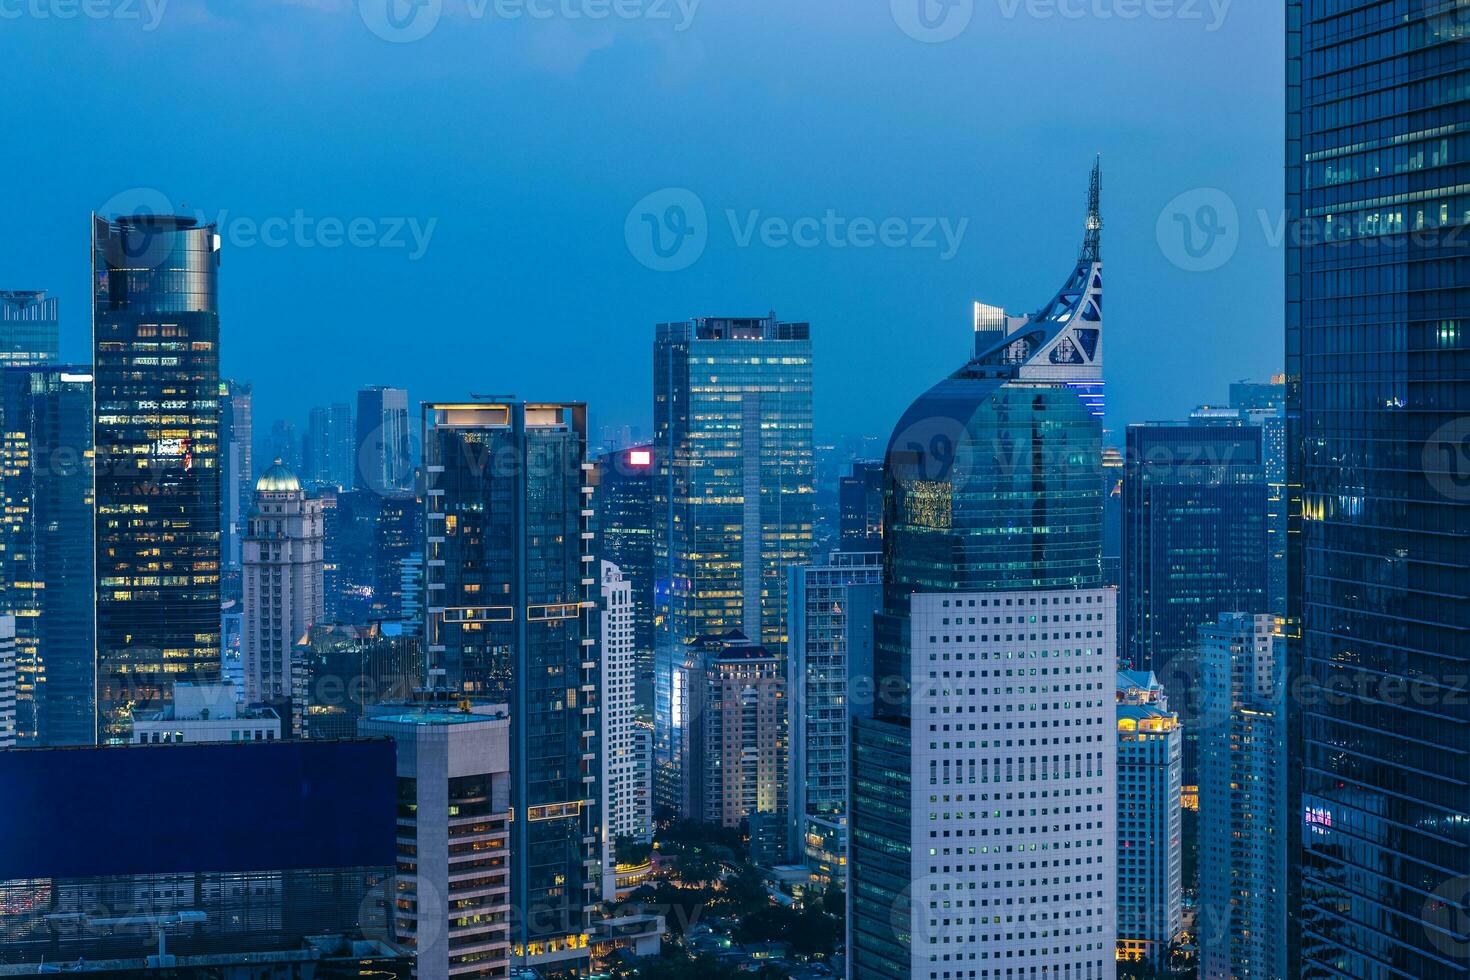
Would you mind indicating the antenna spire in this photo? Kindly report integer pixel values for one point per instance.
(1092, 243)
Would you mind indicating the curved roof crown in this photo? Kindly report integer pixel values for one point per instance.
(277, 479)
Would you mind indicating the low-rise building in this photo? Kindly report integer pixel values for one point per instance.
(207, 713)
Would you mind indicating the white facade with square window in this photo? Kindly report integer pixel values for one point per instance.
(627, 745)
(1014, 759)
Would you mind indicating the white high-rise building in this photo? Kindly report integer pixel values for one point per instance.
(1014, 754)
(7, 682)
(1150, 821)
(284, 592)
(627, 746)
(1241, 918)
(453, 889)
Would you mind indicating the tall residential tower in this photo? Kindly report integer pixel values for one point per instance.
(510, 618)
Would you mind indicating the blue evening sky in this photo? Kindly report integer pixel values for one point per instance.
(518, 148)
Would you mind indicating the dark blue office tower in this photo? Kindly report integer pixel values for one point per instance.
(156, 336)
(509, 619)
(1195, 528)
(1378, 373)
(46, 549)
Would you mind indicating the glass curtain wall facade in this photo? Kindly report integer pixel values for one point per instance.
(831, 624)
(733, 495)
(156, 336)
(46, 556)
(510, 619)
(237, 482)
(30, 331)
(1195, 545)
(384, 462)
(1378, 371)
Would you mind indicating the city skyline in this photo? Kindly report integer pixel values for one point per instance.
(571, 489)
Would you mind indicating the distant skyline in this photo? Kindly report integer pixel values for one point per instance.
(461, 214)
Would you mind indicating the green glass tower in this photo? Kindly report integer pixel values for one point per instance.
(732, 497)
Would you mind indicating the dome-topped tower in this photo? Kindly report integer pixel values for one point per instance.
(277, 479)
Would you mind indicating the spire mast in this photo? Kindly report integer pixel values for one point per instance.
(1092, 244)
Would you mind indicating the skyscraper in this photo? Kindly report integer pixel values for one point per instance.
(384, 455)
(1264, 406)
(624, 504)
(46, 548)
(376, 542)
(30, 332)
(731, 700)
(1240, 919)
(237, 453)
(1150, 822)
(283, 442)
(829, 662)
(350, 668)
(1195, 545)
(327, 448)
(733, 496)
(283, 581)
(627, 744)
(156, 334)
(314, 446)
(1378, 380)
(860, 500)
(510, 599)
(454, 789)
(982, 812)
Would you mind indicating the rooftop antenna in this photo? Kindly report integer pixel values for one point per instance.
(1092, 243)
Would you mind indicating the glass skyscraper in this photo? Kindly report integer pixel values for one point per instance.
(237, 482)
(624, 505)
(1378, 374)
(1195, 545)
(46, 548)
(156, 334)
(860, 506)
(992, 546)
(733, 495)
(510, 610)
(384, 460)
(831, 625)
(30, 332)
